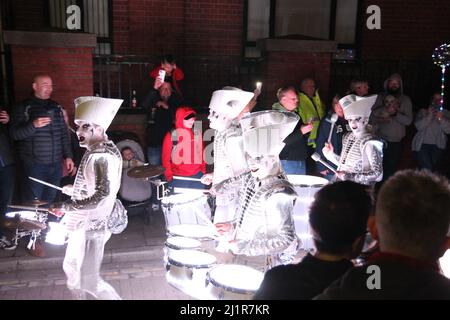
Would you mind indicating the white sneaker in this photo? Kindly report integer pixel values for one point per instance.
(6, 244)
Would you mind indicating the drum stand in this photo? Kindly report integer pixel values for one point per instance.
(161, 190)
(33, 233)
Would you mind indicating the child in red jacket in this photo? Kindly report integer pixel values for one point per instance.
(182, 151)
(173, 73)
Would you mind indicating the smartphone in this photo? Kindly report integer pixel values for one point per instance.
(162, 74)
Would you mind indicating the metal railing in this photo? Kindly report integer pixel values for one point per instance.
(420, 77)
(116, 76)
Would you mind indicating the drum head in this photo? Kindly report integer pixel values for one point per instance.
(196, 231)
(236, 278)
(191, 259)
(305, 181)
(29, 215)
(182, 198)
(178, 243)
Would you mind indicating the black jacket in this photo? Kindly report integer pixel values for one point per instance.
(296, 145)
(45, 145)
(302, 281)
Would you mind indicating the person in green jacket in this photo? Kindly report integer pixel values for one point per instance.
(311, 109)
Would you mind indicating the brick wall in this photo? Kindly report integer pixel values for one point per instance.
(289, 68)
(409, 29)
(70, 69)
(28, 14)
(181, 27)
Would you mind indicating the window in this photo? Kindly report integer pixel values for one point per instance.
(95, 19)
(320, 19)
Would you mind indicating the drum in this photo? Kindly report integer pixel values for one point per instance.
(233, 282)
(186, 208)
(180, 243)
(186, 270)
(24, 220)
(306, 186)
(203, 233)
(57, 234)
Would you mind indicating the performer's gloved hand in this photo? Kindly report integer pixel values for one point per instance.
(57, 209)
(67, 189)
(207, 178)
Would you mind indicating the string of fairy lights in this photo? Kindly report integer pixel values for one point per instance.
(441, 58)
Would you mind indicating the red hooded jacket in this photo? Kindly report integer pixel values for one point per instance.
(185, 157)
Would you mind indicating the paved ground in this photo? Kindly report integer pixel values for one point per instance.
(133, 265)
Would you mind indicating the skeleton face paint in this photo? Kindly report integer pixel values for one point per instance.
(263, 166)
(357, 124)
(86, 133)
(218, 121)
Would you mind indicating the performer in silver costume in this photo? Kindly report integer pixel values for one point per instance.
(229, 160)
(93, 197)
(265, 225)
(361, 159)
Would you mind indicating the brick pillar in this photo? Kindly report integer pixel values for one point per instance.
(287, 61)
(66, 57)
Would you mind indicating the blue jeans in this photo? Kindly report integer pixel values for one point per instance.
(175, 183)
(428, 156)
(51, 173)
(6, 189)
(293, 167)
(154, 155)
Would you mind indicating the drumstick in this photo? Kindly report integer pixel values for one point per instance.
(333, 119)
(46, 183)
(187, 190)
(186, 178)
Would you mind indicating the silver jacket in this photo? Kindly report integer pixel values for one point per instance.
(361, 158)
(265, 223)
(229, 163)
(96, 185)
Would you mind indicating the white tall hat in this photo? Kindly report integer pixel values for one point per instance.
(264, 131)
(97, 110)
(230, 101)
(357, 106)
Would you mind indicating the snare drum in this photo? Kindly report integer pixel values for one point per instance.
(186, 270)
(180, 243)
(233, 282)
(185, 208)
(306, 187)
(202, 233)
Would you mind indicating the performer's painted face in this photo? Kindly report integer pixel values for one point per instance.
(87, 133)
(262, 167)
(218, 121)
(357, 124)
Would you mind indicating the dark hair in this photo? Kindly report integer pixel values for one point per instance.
(413, 213)
(126, 148)
(167, 58)
(339, 216)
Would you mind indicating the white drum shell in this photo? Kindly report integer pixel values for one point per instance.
(181, 208)
(306, 187)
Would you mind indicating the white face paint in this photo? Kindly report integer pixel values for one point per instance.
(218, 121)
(262, 167)
(88, 133)
(358, 124)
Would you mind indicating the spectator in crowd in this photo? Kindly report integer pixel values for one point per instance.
(311, 109)
(362, 153)
(392, 112)
(86, 216)
(335, 121)
(293, 156)
(360, 87)
(38, 127)
(338, 218)
(182, 153)
(430, 140)
(129, 159)
(7, 175)
(174, 74)
(412, 219)
(161, 104)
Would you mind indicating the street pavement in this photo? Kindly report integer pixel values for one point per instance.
(132, 264)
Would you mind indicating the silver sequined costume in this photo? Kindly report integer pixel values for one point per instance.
(229, 162)
(94, 193)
